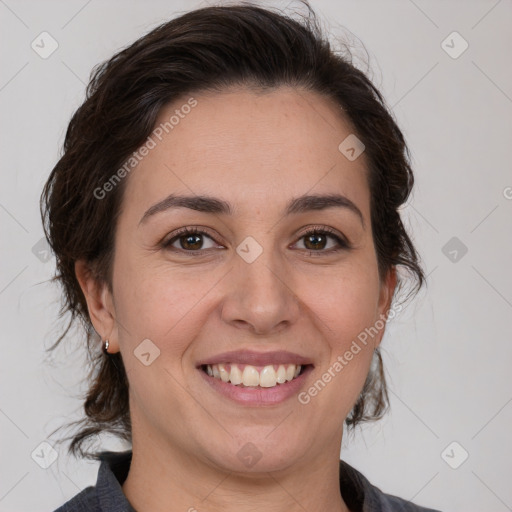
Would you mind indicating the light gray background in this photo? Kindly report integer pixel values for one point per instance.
(448, 355)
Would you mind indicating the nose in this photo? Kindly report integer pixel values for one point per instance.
(260, 295)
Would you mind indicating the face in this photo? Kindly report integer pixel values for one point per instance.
(272, 279)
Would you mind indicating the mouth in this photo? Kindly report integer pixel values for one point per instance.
(256, 379)
(251, 376)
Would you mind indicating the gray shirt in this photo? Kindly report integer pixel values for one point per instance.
(107, 495)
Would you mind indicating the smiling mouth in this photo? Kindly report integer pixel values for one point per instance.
(245, 375)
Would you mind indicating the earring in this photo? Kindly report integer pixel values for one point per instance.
(105, 346)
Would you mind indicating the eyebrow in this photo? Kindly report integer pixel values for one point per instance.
(208, 204)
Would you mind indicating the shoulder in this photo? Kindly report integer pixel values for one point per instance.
(361, 496)
(390, 503)
(107, 495)
(85, 501)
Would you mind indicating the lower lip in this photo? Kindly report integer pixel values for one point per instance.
(258, 395)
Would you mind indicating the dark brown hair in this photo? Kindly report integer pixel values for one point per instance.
(208, 49)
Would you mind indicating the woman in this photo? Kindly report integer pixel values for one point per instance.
(225, 220)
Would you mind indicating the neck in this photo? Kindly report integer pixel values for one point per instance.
(171, 480)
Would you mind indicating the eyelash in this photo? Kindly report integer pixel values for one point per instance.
(315, 230)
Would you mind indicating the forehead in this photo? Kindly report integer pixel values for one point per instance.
(253, 149)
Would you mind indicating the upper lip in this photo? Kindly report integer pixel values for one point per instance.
(256, 358)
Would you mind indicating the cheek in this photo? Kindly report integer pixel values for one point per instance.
(160, 302)
(346, 303)
(346, 308)
(142, 300)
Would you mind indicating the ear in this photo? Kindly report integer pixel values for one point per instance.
(99, 303)
(387, 288)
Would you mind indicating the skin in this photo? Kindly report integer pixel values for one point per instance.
(257, 151)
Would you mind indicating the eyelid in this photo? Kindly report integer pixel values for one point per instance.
(324, 229)
(187, 230)
(343, 242)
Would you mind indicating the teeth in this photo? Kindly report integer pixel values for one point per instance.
(235, 376)
(268, 377)
(224, 374)
(250, 376)
(281, 374)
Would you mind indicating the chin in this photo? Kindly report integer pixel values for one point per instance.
(259, 453)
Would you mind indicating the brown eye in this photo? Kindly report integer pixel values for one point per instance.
(188, 240)
(317, 241)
